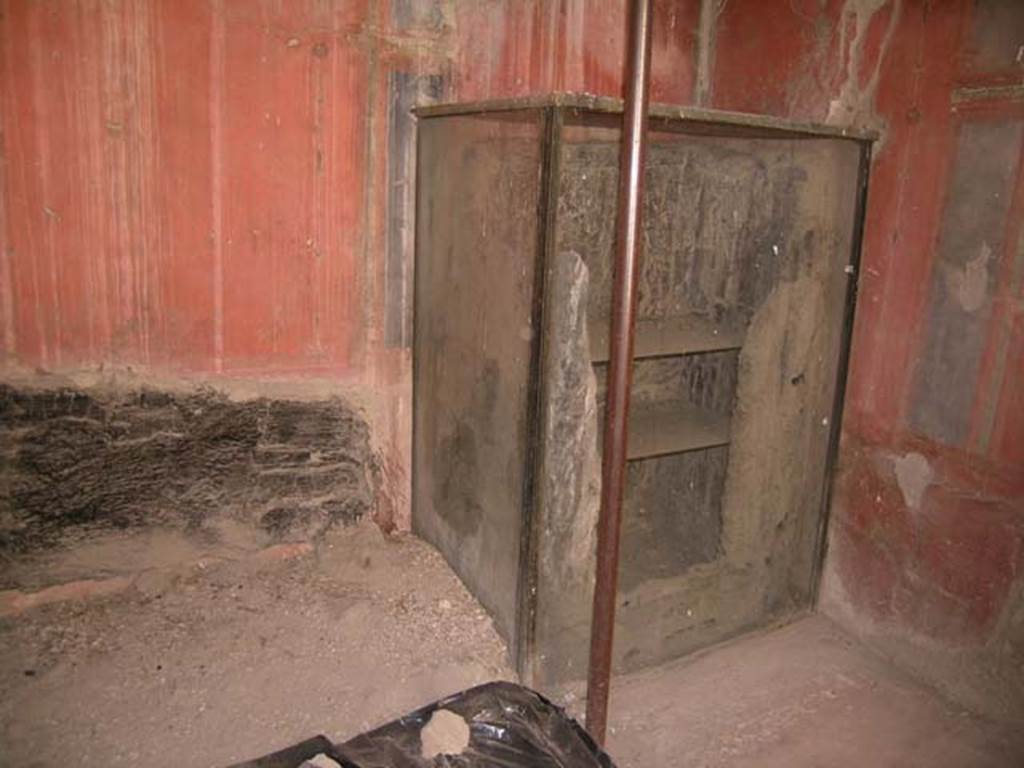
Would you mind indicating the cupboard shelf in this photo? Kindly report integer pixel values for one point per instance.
(669, 428)
(662, 338)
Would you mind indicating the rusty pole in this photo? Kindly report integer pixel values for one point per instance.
(620, 359)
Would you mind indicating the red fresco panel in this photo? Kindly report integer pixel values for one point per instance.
(944, 568)
(794, 61)
(184, 332)
(7, 331)
(263, 165)
(751, 72)
(130, 157)
(340, 298)
(781, 62)
(874, 31)
(493, 53)
(873, 503)
(930, 611)
(673, 51)
(605, 53)
(100, 145)
(133, 178)
(85, 218)
(536, 47)
(970, 548)
(472, 53)
(68, 239)
(47, 234)
(289, 111)
(867, 571)
(22, 196)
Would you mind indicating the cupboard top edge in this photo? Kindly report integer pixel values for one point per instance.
(701, 120)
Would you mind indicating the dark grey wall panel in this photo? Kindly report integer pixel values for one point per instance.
(406, 90)
(478, 195)
(971, 239)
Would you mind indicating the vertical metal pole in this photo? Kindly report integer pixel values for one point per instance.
(620, 368)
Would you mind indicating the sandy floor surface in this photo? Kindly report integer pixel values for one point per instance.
(208, 665)
(204, 666)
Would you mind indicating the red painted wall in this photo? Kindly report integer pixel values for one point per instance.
(195, 185)
(182, 185)
(207, 186)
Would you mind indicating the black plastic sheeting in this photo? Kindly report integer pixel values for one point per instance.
(509, 727)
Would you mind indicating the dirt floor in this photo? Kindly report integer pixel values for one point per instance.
(805, 695)
(204, 666)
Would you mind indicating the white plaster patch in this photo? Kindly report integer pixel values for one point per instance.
(913, 474)
(970, 285)
(855, 99)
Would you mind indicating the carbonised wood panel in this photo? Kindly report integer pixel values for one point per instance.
(478, 197)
